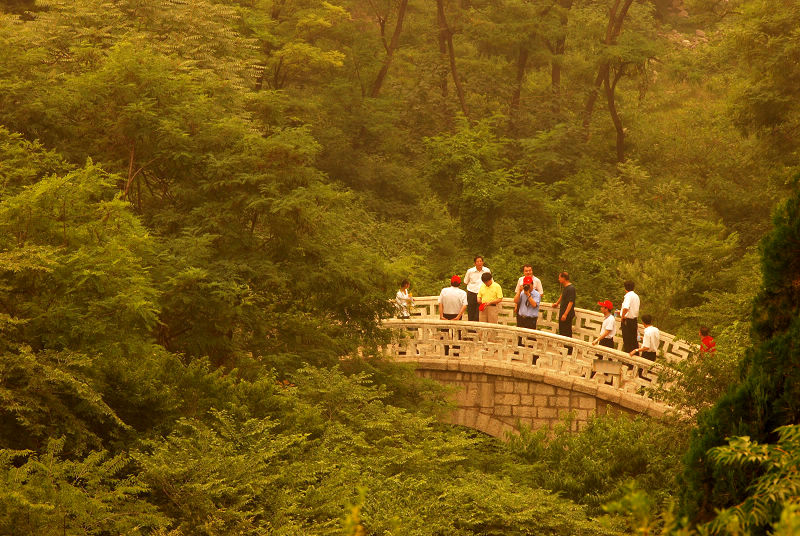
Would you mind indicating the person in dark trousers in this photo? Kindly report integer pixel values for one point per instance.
(609, 327)
(629, 321)
(566, 303)
(650, 340)
(527, 301)
(472, 279)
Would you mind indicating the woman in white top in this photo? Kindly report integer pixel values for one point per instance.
(609, 327)
(404, 300)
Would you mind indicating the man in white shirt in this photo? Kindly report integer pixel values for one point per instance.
(452, 301)
(650, 340)
(473, 281)
(609, 327)
(527, 271)
(629, 317)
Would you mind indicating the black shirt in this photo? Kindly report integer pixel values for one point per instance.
(567, 295)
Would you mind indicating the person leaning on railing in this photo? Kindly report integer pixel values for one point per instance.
(650, 340)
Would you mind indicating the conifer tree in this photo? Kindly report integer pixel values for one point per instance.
(768, 393)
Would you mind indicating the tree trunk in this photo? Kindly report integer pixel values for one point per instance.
(448, 32)
(390, 48)
(612, 108)
(615, 20)
(440, 22)
(560, 46)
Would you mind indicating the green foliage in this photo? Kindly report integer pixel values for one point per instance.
(202, 213)
(597, 464)
(49, 495)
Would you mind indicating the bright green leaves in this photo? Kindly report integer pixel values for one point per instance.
(74, 264)
(47, 494)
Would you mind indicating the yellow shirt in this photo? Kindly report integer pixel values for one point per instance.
(490, 294)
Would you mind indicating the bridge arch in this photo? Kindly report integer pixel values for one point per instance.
(507, 376)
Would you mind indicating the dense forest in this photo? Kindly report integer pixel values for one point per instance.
(206, 205)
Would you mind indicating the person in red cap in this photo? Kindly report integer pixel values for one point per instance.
(609, 327)
(527, 300)
(452, 301)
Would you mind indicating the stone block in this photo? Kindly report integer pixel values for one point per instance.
(521, 388)
(509, 399)
(453, 364)
(540, 401)
(504, 386)
(495, 428)
(562, 392)
(502, 411)
(546, 413)
(433, 364)
(608, 394)
(525, 411)
(470, 417)
(562, 401)
(541, 423)
(559, 380)
(588, 387)
(587, 402)
(494, 369)
(526, 400)
(468, 365)
(527, 372)
(542, 389)
(563, 412)
(486, 394)
(482, 422)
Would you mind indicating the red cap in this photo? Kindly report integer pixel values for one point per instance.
(527, 280)
(455, 279)
(607, 304)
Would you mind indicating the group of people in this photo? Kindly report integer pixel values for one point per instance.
(482, 299)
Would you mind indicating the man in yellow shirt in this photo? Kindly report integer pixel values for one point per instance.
(490, 298)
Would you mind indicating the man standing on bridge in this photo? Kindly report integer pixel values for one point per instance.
(452, 301)
(629, 321)
(473, 281)
(527, 300)
(527, 271)
(490, 297)
(566, 311)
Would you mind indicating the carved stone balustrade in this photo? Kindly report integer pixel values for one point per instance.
(586, 327)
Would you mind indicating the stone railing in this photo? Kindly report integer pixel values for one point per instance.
(477, 341)
(586, 327)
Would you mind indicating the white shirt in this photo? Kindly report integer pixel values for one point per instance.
(473, 278)
(651, 338)
(537, 285)
(451, 300)
(403, 300)
(631, 303)
(610, 325)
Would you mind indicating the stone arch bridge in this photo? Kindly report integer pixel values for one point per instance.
(508, 376)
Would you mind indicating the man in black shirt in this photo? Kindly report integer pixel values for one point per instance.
(566, 311)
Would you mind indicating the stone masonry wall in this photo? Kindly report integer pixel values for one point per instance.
(497, 404)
